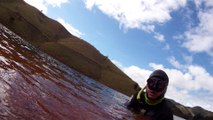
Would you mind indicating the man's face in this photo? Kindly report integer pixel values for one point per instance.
(153, 94)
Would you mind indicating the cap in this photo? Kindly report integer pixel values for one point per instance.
(158, 80)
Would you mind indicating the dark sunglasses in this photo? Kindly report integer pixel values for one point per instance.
(156, 84)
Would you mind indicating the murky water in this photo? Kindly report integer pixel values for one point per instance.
(33, 86)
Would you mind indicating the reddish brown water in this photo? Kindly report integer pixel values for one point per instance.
(33, 86)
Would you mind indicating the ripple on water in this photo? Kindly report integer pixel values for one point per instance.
(35, 86)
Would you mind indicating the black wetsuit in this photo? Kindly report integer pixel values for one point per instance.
(161, 111)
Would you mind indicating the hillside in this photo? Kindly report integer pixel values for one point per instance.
(190, 113)
(54, 39)
(51, 37)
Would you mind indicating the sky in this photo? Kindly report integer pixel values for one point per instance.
(140, 36)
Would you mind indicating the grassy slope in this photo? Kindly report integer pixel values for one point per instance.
(54, 39)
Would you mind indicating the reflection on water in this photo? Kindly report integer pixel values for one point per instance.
(35, 86)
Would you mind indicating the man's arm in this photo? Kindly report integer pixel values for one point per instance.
(133, 104)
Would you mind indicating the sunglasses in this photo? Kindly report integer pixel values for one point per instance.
(156, 84)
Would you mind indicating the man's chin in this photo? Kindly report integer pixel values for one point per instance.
(151, 96)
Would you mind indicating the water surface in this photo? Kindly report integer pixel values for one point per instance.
(34, 86)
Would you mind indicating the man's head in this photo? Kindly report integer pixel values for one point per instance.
(157, 84)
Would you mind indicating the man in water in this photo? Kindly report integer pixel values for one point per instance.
(150, 100)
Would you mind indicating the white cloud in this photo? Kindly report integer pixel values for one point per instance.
(174, 62)
(201, 77)
(56, 3)
(156, 66)
(188, 59)
(42, 4)
(182, 85)
(117, 63)
(200, 38)
(70, 28)
(39, 4)
(159, 37)
(137, 74)
(140, 14)
(167, 47)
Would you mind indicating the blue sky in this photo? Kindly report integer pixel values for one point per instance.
(140, 36)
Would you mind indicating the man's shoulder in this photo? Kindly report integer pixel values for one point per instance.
(166, 105)
(166, 109)
(163, 111)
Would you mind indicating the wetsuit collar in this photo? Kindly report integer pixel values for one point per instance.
(147, 100)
